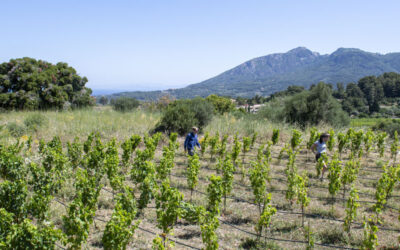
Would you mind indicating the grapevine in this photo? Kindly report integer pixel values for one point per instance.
(351, 209)
(381, 137)
(192, 173)
(228, 170)
(334, 176)
(394, 146)
(168, 201)
(331, 142)
(253, 139)
(214, 194)
(119, 230)
(265, 218)
(275, 136)
(370, 240)
(204, 143)
(296, 139)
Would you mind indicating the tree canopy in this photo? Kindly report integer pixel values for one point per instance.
(29, 84)
(315, 106)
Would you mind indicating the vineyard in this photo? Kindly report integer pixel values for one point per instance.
(236, 192)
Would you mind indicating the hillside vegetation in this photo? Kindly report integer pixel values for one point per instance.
(271, 73)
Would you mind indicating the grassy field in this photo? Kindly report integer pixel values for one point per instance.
(109, 123)
(236, 231)
(366, 122)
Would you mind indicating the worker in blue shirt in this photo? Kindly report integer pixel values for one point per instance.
(191, 141)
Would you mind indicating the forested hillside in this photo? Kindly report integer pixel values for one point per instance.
(269, 74)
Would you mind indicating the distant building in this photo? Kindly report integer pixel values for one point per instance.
(251, 108)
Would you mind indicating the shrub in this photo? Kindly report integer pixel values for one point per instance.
(221, 104)
(181, 115)
(35, 121)
(125, 104)
(315, 106)
(389, 126)
(273, 110)
(15, 129)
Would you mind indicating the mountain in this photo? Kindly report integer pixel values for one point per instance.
(275, 72)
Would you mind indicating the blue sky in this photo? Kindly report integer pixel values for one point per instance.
(147, 45)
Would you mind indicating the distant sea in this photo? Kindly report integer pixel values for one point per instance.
(99, 92)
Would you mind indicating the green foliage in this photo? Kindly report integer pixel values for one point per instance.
(349, 173)
(394, 147)
(356, 140)
(368, 140)
(209, 225)
(284, 149)
(265, 218)
(111, 164)
(296, 139)
(35, 121)
(168, 201)
(309, 235)
(28, 236)
(246, 146)
(291, 175)
(228, 170)
(44, 185)
(370, 240)
(81, 210)
(314, 136)
(343, 141)
(6, 222)
(351, 209)
(315, 106)
(222, 146)
(331, 142)
(254, 138)
(214, 194)
(268, 152)
(275, 136)
(13, 197)
(192, 172)
(237, 145)
(158, 244)
(221, 104)
(390, 126)
(31, 84)
(204, 143)
(384, 187)
(259, 174)
(166, 163)
(181, 115)
(125, 104)
(74, 152)
(301, 192)
(334, 176)
(129, 147)
(214, 144)
(380, 142)
(11, 163)
(15, 129)
(143, 175)
(321, 163)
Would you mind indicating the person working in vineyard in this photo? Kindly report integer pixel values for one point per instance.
(192, 141)
(319, 148)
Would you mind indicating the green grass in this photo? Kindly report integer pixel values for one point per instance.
(366, 122)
